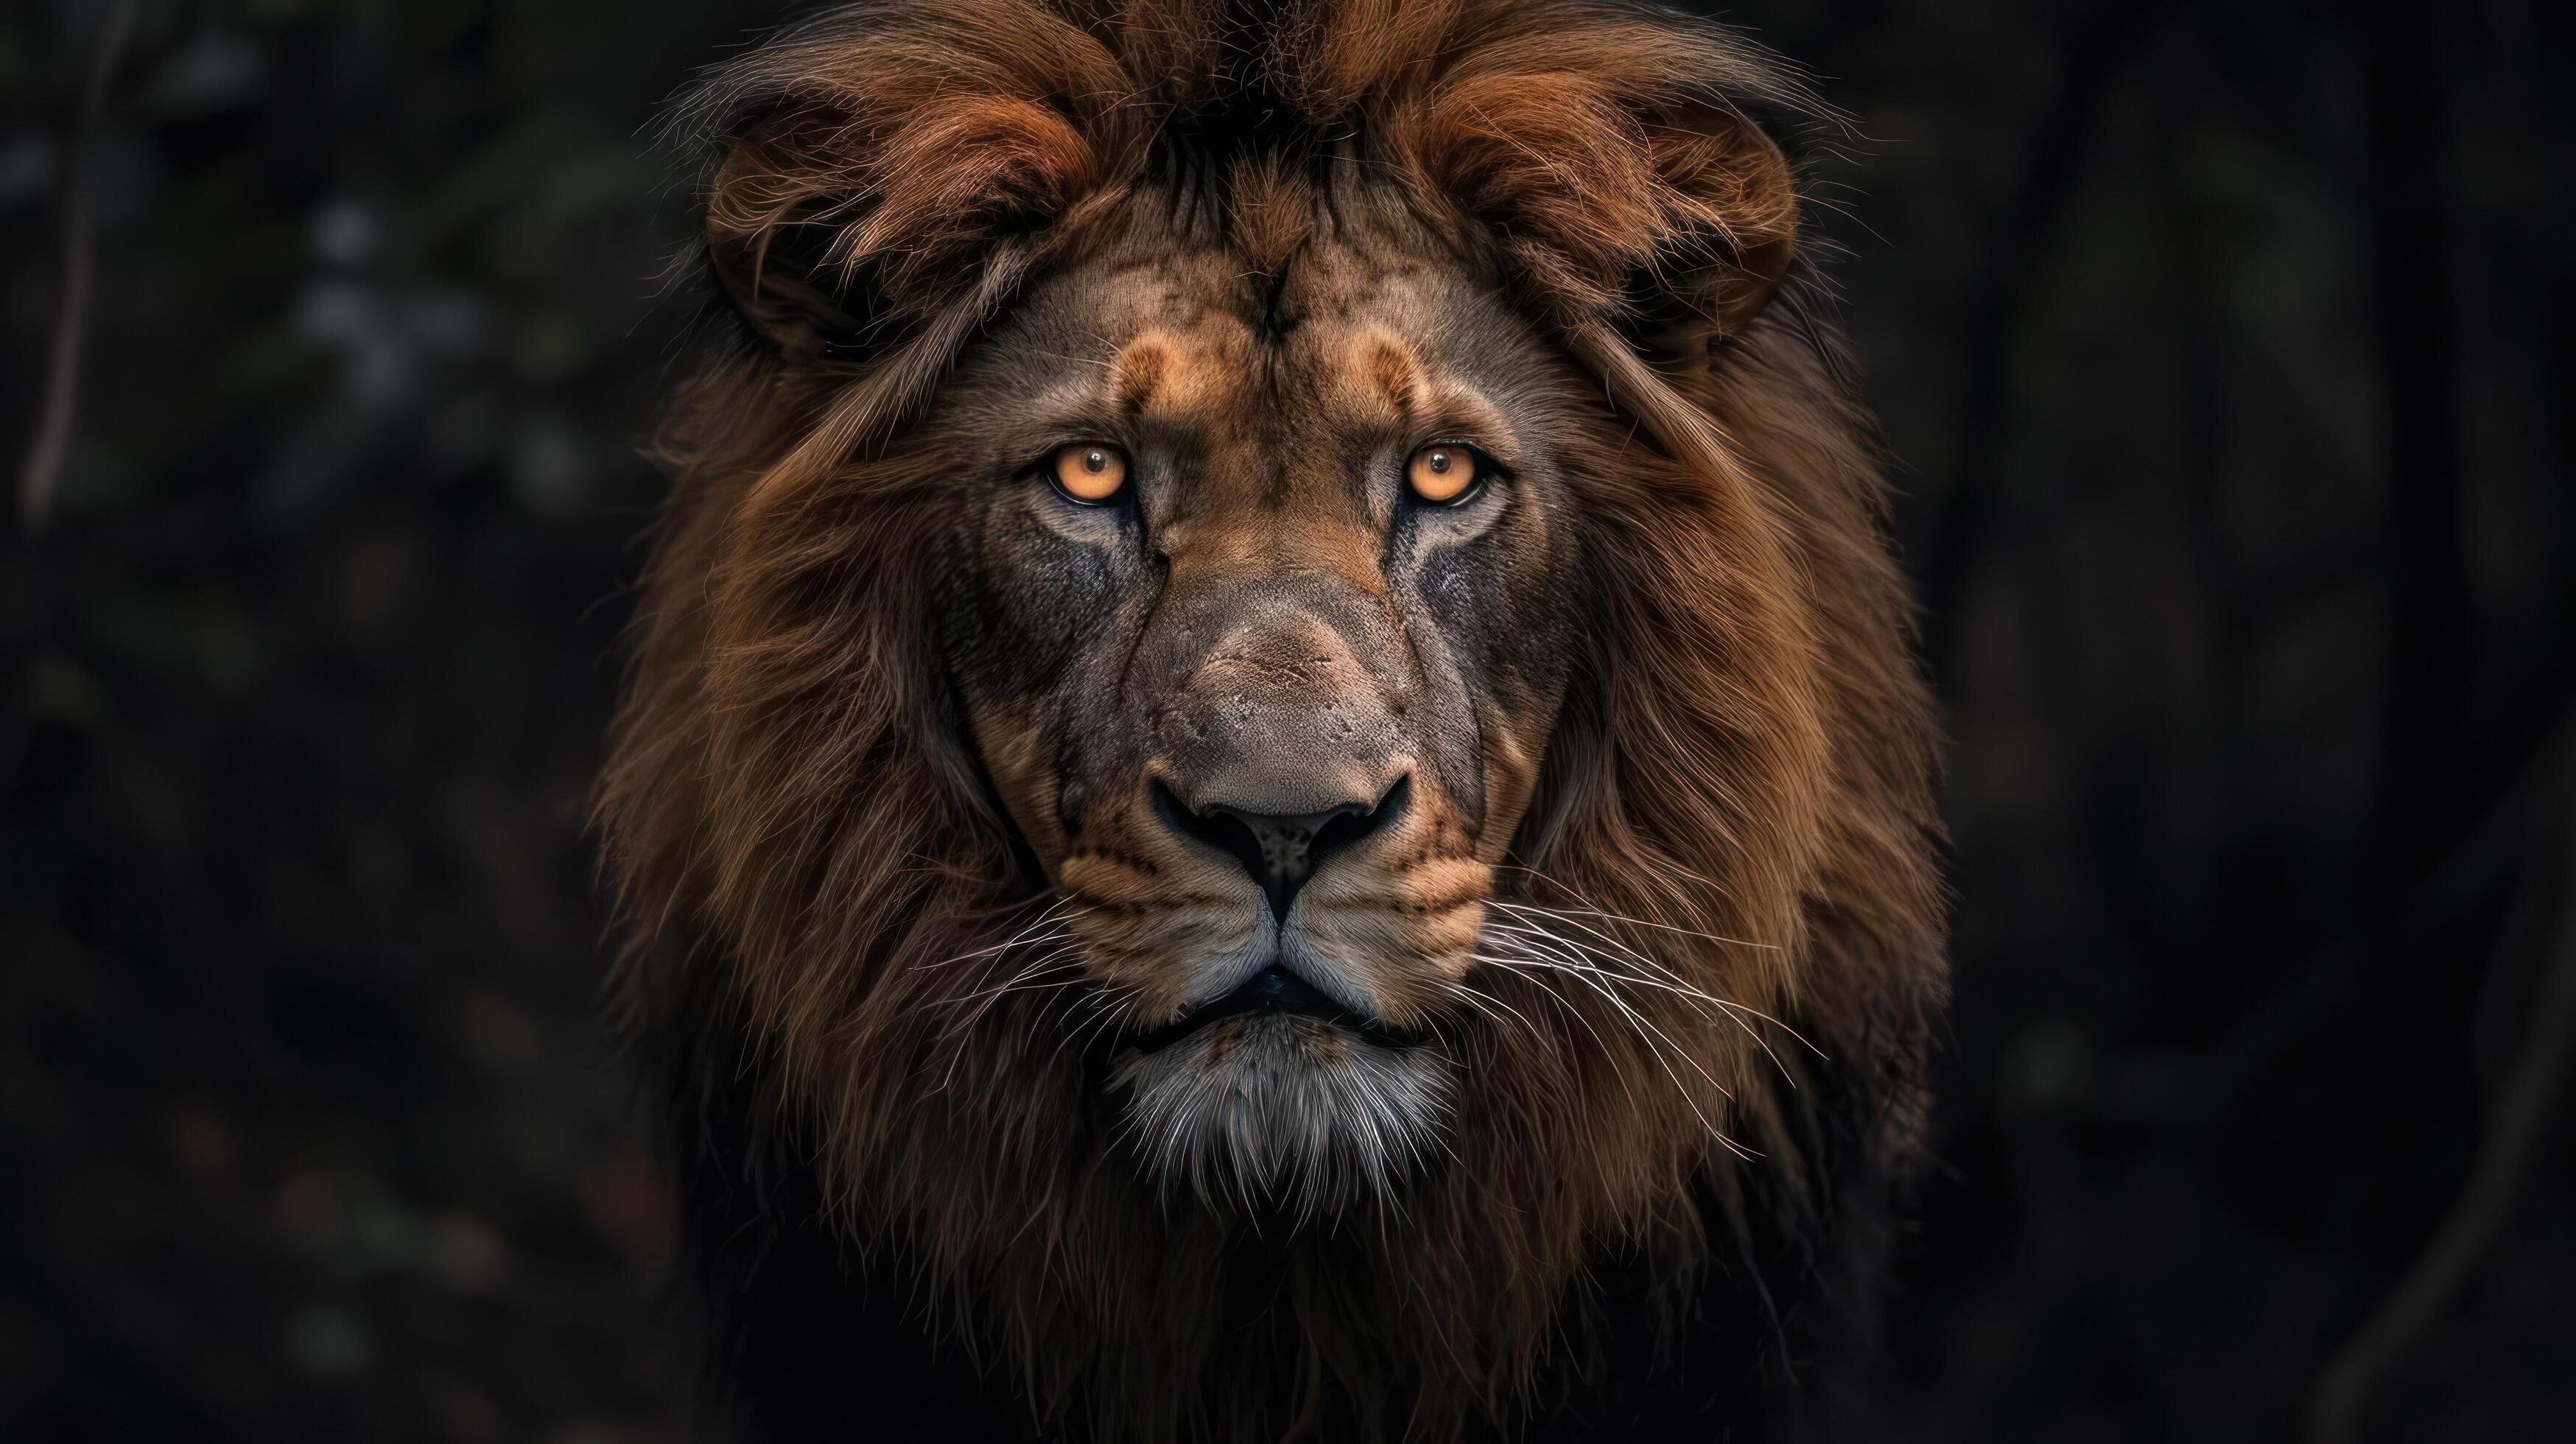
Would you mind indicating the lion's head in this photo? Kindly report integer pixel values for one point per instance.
(1274, 624)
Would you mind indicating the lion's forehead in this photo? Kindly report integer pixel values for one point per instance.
(1337, 336)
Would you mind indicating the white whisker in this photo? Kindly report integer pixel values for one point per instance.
(1680, 989)
(1654, 965)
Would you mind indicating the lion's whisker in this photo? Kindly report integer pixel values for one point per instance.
(1484, 1002)
(1063, 944)
(1054, 913)
(1111, 1010)
(1066, 956)
(1653, 964)
(1569, 915)
(1724, 1008)
(1638, 1021)
(1664, 978)
(1667, 982)
(1608, 1053)
(956, 1034)
(1653, 1035)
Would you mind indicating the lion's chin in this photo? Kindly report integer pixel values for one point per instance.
(1286, 1112)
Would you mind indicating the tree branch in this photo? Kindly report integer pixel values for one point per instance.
(2485, 1204)
(42, 472)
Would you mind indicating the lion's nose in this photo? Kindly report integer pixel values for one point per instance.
(1281, 850)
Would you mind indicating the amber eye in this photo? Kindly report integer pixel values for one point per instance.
(1089, 472)
(1443, 472)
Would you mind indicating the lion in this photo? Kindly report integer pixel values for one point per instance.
(1273, 781)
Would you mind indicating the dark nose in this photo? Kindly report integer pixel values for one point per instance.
(1279, 850)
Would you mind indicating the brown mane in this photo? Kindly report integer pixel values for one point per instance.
(822, 896)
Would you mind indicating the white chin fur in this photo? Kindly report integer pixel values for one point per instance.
(1288, 1110)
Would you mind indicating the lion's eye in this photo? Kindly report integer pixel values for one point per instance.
(1090, 473)
(1444, 473)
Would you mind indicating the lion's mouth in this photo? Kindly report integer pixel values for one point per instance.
(1274, 991)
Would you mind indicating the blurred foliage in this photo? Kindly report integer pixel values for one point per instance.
(2182, 317)
(305, 690)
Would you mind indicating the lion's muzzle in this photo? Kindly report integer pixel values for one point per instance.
(1294, 805)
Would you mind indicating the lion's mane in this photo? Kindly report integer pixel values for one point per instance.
(823, 901)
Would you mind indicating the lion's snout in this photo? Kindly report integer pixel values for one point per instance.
(1280, 851)
(1282, 717)
(1281, 744)
(1287, 773)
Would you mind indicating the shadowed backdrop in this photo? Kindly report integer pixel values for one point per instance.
(2226, 349)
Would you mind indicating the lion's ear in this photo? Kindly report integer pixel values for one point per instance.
(773, 211)
(836, 233)
(1671, 215)
(1735, 199)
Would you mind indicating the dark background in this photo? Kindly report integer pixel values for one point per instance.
(2227, 348)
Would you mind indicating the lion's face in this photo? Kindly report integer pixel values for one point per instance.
(1258, 609)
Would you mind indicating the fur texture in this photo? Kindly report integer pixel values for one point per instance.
(1685, 1050)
